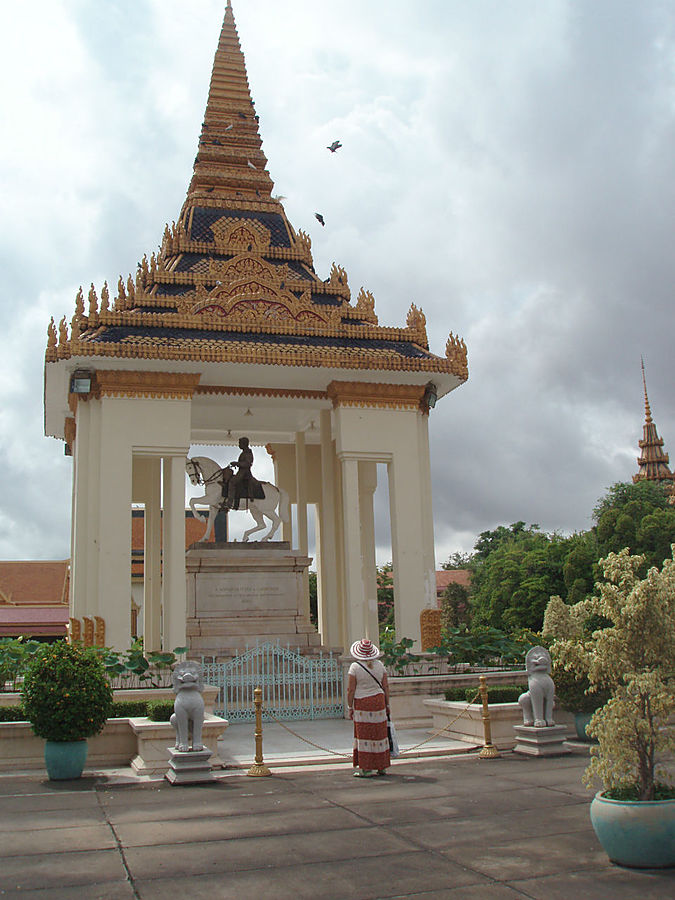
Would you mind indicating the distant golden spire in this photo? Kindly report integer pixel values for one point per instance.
(652, 462)
(230, 163)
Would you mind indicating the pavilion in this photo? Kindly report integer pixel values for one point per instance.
(228, 330)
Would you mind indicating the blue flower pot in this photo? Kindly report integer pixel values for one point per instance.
(637, 833)
(65, 759)
(581, 721)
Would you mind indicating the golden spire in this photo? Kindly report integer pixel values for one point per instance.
(230, 163)
(652, 462)
(648, 412)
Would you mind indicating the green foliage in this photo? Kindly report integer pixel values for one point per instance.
(396, 654)
(573, 692)
(385, 595)
(160, 710)
(455, 606)
(313, 599)
(637, 517)
(633, 658)
(12, 714)
(498, 693)
(126, 709)
(458, 560)
(482, 645)
(516, 571)
(66, 695)
(15, 654)
(152, 669)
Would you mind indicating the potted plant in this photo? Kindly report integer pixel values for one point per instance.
(633, 658)
(67, 698)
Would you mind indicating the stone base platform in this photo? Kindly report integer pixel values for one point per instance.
(241, 594)
(546, 741)
(189, 767)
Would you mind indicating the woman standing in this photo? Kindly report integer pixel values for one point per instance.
(368, 705)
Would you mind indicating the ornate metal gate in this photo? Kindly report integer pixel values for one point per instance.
(294, 686)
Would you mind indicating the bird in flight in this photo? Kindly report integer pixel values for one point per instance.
(319, 218)
(334, 146)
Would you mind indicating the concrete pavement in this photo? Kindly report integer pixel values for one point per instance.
(444, 827)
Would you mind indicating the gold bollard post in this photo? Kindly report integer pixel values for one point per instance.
(488, 751)
(258, 769)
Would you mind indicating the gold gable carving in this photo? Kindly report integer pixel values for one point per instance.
(240, 234)
(254, 300)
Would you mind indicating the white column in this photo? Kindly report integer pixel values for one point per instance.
(79, 524)
(152, 562)
(114, 526)
(353, 564)
(367, 485)
(406, 545)
(174, 602)
(428, 549)
(301, 499)
(329, 611)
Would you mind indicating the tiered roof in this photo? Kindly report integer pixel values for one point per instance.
(652, 462)
(233, 280)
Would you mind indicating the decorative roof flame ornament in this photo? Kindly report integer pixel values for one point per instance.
(79, 303)
(653, 462)
(105, 298)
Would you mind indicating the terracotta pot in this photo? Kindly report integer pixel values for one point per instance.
(636, 833)
(65, 759)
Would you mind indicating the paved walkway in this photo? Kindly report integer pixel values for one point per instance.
(321, 741)
(444, 827)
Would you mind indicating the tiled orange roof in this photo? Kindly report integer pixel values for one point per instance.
(194, 529)
(34, 583)
(452, 576)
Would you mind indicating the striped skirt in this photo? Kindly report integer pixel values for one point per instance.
(371, 740)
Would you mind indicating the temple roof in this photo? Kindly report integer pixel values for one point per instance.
(233, 281)
(652, 462)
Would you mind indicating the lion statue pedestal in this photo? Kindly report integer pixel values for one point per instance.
(189, 759)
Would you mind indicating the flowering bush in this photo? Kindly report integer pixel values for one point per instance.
(66, 695)
(634, 659)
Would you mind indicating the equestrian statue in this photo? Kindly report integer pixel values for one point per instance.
(225, 489)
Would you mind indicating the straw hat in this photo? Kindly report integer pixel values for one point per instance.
(364, 649)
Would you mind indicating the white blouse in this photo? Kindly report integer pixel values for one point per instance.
(366, 686)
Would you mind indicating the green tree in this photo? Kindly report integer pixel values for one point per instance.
(458, 560)
(313, 600)
(636, 516)
(455, 606)
(516, 571)
(385, 595)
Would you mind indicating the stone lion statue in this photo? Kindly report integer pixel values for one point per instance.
(537, 702)
(188, 715)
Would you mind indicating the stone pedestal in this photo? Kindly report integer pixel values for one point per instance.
(546, 741)
(239, 594)
(189, 767)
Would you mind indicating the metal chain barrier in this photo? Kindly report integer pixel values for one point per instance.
(349, 755)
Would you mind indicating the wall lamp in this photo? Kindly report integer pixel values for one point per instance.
(80, 382)
(430, 395)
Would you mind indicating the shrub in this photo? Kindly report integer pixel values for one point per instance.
(12, 714)
(500, 693)
(125, 709)
(573, 692)
(160, 710)
(66, 695)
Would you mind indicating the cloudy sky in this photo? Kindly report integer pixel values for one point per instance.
(507, 166)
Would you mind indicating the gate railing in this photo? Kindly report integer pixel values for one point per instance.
(294, 686)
